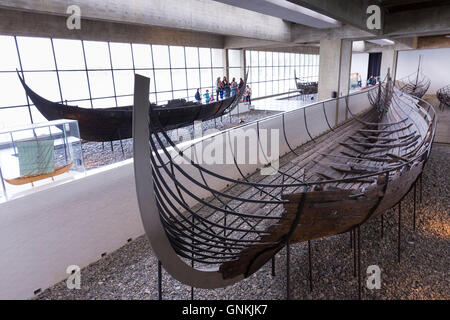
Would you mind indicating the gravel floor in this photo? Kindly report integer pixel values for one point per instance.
(97, 154)
(131, 272)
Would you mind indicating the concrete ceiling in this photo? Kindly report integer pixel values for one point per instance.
(287, 11)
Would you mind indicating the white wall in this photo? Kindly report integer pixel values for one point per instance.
(360, 64)
(436, 65)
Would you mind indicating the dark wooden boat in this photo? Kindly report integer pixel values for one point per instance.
(443, 95)
(307, 87)
(212, 226)
(111, 124)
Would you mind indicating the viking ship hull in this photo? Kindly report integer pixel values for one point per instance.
(37, 177)
(306, 87)
(112, 124)
(337, 181)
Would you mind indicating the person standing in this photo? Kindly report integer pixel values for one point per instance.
(234, 87)
(207, 97)
(198, 96)
(219, 89)
(248, 95)
(241, 85)
(226, 87)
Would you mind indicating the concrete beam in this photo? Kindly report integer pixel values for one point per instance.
(352, 12)
(302, 34)
(189, 15)
(429, 21)
(44, 25)
(433, 42)
(287, 11)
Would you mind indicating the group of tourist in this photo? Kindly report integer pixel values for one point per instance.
(224, 90)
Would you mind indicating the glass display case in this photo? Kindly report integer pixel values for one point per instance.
(34, 156)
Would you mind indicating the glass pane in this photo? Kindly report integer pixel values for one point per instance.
(9, 60)
(275, 73)
(163, 82)
(16, 94)
(179, 79)
(254, 59)
(217, 58)
(121, 55)
(254, 73)
(269, 59)
(206, 78)
(97, 55)
(104, 103)
(269, 90)
(234, 57)
(181, 94)
(124, 82)
(216, 74)
(262, 89)
(45, 84)
(101, 84)
(262, 74)
(235, 73)
(205, 57)
(269, 74)
(164, 97)
(276, 57)
(14, 117)
(161, 56)
(36, 53)
(142, 54)
(192, 57)
(74, 85)
(193, 79)
(177, 57)
(125, 101)
(262, 59)
(69, 54)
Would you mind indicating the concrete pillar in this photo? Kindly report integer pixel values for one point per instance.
(388, 61)
(335, 65)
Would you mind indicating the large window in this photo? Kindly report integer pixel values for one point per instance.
(273, 72)
(94, 74)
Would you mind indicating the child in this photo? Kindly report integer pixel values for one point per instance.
(207, 96)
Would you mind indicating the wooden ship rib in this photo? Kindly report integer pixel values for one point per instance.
(443, 95)
(110, 124)
(214, 226)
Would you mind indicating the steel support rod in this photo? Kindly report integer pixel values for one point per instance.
(414, 210)
(288, 257)
(354, 253)
(159, 280)
(399, 229)
(310, 266)
(359, 265)
(273, 266)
